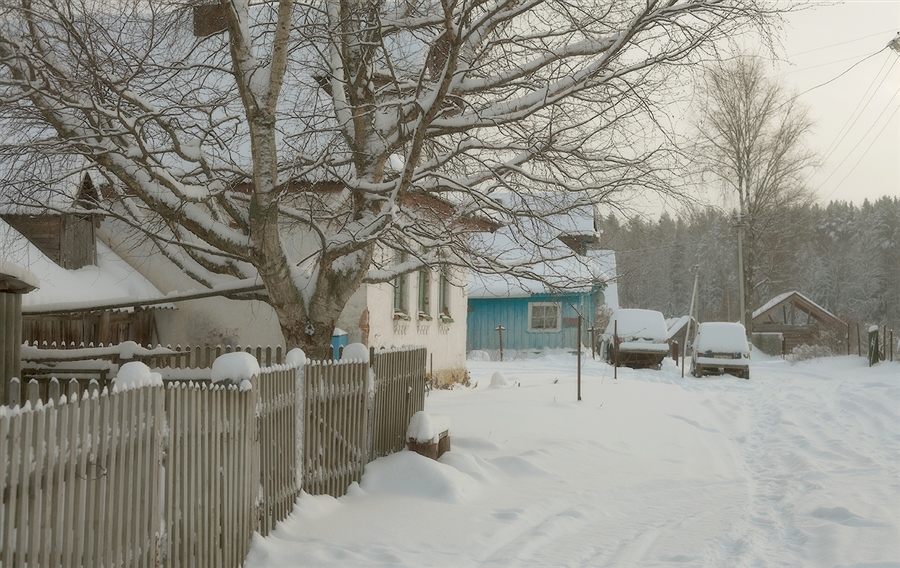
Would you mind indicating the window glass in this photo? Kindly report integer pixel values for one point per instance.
(544, 316)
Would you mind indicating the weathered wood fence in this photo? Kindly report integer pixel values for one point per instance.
(183, 475)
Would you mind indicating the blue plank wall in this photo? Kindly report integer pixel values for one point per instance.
(485, 314)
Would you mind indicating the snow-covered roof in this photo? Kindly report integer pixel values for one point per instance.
(24, 278)
(532, 241)
(572, 273)
(674, 325)
(110, 280)
(782, 297)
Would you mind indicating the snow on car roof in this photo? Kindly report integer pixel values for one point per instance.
(638, 322)
(721, 336)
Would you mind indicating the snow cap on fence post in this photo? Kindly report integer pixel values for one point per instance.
(134, 375)
(356, 351)
(295, 358)
(238, 368)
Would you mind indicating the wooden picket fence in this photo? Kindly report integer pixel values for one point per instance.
(335, 426)
(181, 357)
(79, 468)
(184, 475)
(399, 375)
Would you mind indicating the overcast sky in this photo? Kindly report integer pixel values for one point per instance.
(857, 122)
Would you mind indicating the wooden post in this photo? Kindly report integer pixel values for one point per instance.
(592, 329)
(500, 329)
(858, 342)
(848, 339)
(578, 346)
(615, 349)
(872, 353)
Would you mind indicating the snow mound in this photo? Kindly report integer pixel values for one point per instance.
(295, 358)
(135, 375)
(409, 474)
(498, 379)
(356, 351)
(424, 427)
(236, 368)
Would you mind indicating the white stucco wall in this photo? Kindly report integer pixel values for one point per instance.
(446, 342)
(232, 322)
(213, 321)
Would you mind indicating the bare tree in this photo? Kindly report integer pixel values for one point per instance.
(286, 142)
(751, 139)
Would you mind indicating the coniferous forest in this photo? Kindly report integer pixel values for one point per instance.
(844, 257)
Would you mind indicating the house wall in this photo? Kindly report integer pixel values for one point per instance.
(213, 321)
(485, 314)
(445, 341)
(368, 317)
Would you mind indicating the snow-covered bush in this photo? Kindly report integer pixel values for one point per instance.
(479, 356)
(806, 352)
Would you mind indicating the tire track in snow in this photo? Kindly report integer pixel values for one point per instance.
(796, 440)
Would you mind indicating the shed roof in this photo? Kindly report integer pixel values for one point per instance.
(797, 299)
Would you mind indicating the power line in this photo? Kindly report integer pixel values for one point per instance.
(822, 64)
(836, 168)
(867, 36)
(840, 75)
(869, 147)
(854, 116)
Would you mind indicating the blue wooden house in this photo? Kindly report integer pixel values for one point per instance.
(574, 278)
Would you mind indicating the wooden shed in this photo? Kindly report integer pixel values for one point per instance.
(14, 281)
(798, 319)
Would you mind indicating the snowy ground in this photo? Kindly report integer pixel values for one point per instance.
(800, 466)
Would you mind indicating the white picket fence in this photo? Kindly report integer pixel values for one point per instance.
(183, 475)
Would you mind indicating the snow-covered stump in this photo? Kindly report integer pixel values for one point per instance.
(428, 434)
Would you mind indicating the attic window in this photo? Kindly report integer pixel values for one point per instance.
(209, 19)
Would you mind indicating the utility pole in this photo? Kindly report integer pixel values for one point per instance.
(895, 43)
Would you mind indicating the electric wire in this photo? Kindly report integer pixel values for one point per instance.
(860, 141)
(854, 116)
(867, 36)
(866, 151)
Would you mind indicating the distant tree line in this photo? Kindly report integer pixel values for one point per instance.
(844, 257)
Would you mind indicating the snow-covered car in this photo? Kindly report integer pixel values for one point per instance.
(719, 348)
(636, 338)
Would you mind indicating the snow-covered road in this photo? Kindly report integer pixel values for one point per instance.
(799, 466)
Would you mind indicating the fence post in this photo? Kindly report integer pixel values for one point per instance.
(858, 341)
(873, 354)
(370, 406)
